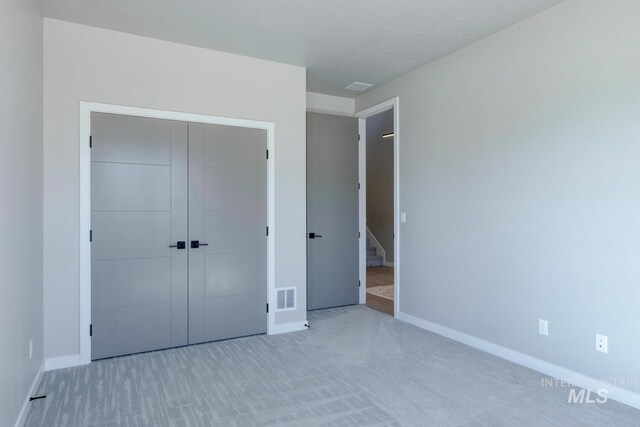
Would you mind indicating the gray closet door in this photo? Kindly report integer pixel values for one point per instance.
(228, 213)
(332, 211)
(139, 208)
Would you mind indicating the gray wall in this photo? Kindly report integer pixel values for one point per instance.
(88, 63)
(20, 202)
(380, 180)
(520, 176)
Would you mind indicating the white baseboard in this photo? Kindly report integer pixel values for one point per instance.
(619, 394)
(62, 362)
(24, 411)
(388, 264)
(289, 327)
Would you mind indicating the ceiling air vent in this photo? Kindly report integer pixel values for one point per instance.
(358, 86)
(285, 299)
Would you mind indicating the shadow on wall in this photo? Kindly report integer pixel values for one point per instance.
(380, 180)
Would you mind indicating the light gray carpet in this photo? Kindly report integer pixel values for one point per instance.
(355, 366)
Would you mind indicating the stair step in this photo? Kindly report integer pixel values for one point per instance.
(371, 251)
(374, 261)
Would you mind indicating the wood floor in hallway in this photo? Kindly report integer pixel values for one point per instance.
(379, 276)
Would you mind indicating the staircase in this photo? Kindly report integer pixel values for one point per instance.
(373, 259)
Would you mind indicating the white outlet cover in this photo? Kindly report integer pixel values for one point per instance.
(602, 343)
(31, 349)
(403, 217)
(543, 327)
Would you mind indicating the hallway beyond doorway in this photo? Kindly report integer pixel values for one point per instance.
(376, 278)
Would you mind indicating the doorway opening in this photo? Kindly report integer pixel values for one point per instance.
(379, 214)
(379, 211)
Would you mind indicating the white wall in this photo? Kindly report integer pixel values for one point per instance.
(520, 176)
(20, 202)
(90, 64)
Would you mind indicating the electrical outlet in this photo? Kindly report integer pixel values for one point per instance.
(602, 343)
(403, 217)
(543, 327)
(31, 349)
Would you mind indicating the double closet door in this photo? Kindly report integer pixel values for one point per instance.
(179, 245)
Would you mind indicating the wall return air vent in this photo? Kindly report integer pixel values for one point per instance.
(285, 299)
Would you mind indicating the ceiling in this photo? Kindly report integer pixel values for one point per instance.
(339, 41)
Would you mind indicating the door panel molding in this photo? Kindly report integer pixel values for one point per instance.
(86, 108)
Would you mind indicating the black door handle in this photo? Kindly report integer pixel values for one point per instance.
(195, 244)
(179, 245)
(314, 236)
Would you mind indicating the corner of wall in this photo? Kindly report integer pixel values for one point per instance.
(24, 411)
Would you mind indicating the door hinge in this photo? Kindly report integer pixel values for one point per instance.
(267, 230)
(91, 330)
(358, 186)
(358, 234)
(359, 284)
(91, 235)
(267, 307)
(267, 154)
(90, 141)
(358, 137)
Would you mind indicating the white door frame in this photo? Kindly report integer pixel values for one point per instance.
(86, 108)
(362, 161)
